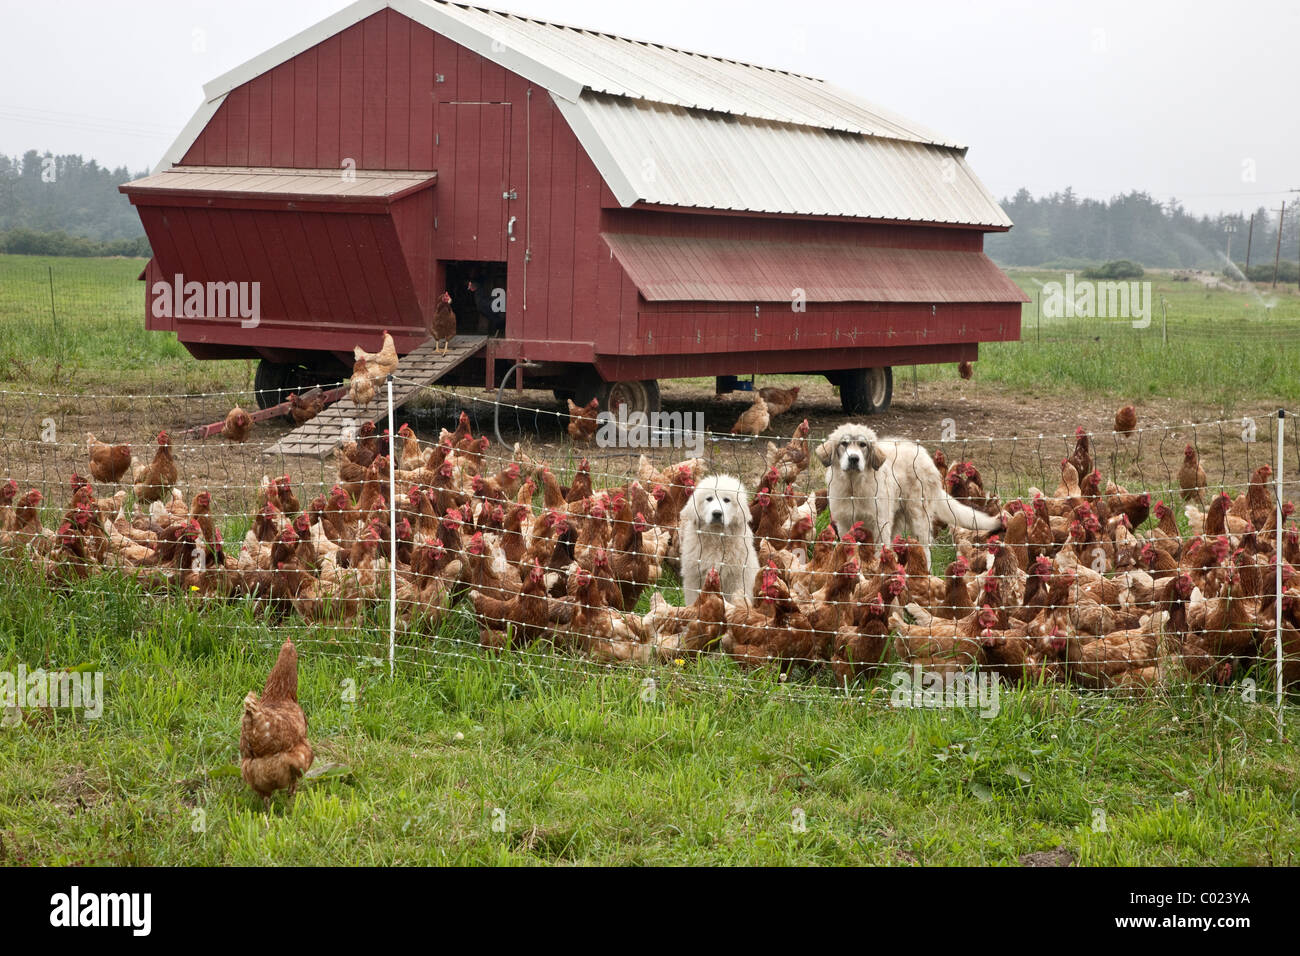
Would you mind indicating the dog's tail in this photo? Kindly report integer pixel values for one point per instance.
(955, 514)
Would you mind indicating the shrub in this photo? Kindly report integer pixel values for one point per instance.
(1117, 269)
(29, 242)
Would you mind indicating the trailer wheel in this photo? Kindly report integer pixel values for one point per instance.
(639, 396)
(866, 391)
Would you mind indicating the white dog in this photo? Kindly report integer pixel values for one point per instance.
(715, 533)
(882, 482)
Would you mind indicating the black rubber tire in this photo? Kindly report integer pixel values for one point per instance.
(269, 381)
(639, 396)
(866, 391)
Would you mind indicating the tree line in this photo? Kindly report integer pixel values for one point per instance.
(69, 206)
(66, 206)
(1065, 231)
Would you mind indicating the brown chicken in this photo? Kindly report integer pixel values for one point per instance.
(238, 426)
(791, 460)
(779, 400)
(521, 620)
(679, 630)
(777, 631)
(753, 420)
(583, 424)
(108, 463)
(966, 370)
(273, 745)
(1191, 476)
(154, 481)
(1126, 419)
(304, 408)
(362, 388)
(443, 326)
(381, 364)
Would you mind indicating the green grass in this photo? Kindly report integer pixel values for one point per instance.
(93, 332)
(1214, 347)
(583, 768)
(1217, 348)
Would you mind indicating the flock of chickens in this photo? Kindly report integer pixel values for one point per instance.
(1071, 589)
(1076, 588)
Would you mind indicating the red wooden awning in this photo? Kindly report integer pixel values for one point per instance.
(245, 187)
(685, 269)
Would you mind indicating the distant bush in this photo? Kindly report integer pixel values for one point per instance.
(1263, 272)
(29, 242)
(1117, 269)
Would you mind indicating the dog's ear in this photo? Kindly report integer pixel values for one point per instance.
(877, 457)
(825, 451)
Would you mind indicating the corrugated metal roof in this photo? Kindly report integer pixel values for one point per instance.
(604, 63)
(668, 126)
(682, 269)
(281, 183)
(673, 156)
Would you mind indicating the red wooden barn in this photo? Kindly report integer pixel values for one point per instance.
(617, 211)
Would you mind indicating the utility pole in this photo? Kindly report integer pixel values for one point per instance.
(1277, 256)
(1249, 237)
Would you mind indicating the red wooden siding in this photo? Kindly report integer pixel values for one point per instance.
(387, 93)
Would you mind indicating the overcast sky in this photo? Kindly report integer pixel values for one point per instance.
(1194, 100)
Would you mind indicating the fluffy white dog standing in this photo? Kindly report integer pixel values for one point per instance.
(880, 482)
(715, 533)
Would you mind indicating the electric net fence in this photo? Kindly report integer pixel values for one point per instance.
(562, 553)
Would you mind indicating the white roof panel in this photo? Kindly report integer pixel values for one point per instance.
(671, 127)
(668, 155)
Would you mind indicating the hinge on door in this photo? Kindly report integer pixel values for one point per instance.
(513, 194)
(439, 78)
(650, 337)
(435, 222)
(437, 139)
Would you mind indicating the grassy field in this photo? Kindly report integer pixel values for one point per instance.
(467, 759)
(538, 758)
(1215, 347)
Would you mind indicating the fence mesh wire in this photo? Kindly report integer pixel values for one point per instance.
(1127, 562)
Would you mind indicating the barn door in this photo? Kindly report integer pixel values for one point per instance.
(473, 160)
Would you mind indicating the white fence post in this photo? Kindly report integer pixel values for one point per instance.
(392, 536)
(1277, 602)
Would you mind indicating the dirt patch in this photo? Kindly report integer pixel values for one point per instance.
(75, 791)
(1016, 438)
(1060, 856)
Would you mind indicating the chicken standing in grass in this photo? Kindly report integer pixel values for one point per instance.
(154, 481)
(1191, 476)
(273, 747)
(108, 463)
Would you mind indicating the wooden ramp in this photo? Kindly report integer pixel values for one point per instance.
(319, 437)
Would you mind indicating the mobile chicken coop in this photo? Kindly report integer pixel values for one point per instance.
(617, 212)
